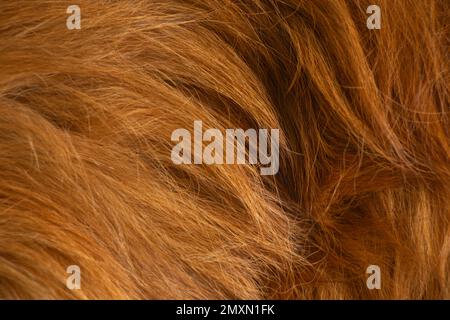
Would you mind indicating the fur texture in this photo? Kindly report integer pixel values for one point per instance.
(86, 176)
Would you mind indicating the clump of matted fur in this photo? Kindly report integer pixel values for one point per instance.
(86, 176)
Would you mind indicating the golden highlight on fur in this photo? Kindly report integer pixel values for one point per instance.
(86, 176)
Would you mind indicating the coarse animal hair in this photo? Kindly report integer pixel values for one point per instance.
(86, 177)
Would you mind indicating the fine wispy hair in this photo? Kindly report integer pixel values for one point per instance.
(86, 176)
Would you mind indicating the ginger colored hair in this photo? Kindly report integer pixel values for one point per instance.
(86, 176)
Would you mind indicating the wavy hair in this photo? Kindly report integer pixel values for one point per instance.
(86, 176)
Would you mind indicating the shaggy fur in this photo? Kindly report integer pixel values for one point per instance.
(86, 176)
